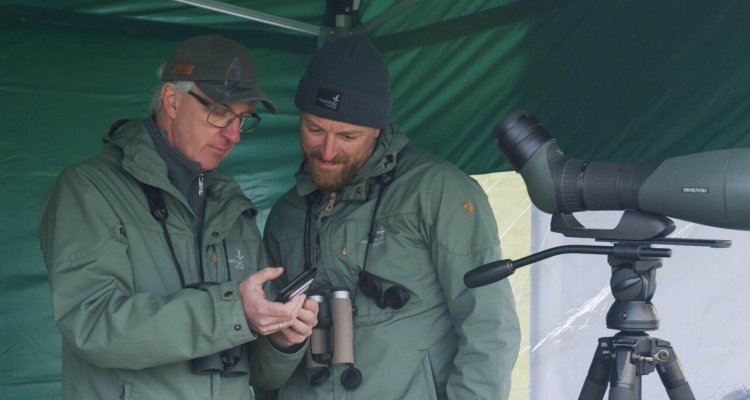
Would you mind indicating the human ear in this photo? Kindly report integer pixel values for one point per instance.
(169, 100)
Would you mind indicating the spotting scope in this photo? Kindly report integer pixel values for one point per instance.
(709, 188)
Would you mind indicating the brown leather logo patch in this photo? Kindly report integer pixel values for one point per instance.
(468, 207)
(185, 69)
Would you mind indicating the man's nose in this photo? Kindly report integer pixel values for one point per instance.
(232, 131)
(328, 150)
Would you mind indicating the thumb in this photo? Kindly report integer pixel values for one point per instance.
(270, 273)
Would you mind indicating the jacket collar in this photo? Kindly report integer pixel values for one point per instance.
(139, 154)
(383, 159)
(141, 159)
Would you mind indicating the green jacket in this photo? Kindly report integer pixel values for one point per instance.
(129, 329)
(433, 225)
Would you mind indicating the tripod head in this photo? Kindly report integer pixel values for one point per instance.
(633, 260)
(632, 237)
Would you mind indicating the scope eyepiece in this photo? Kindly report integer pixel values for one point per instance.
(519, 136)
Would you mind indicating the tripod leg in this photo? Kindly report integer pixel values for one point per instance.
(671, 373)
(597, 378)
(625, 384)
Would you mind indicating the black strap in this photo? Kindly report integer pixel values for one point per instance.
(384, 180)
(310, 199)
(226, 259)
(160, 213)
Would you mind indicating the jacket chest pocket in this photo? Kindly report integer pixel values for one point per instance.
(233, 259)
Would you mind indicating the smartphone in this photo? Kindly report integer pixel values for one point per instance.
(298, 285)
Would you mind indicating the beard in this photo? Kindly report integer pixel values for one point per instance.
(332, 181)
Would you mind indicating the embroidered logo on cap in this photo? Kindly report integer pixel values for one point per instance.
(328, 99)
(231, 82)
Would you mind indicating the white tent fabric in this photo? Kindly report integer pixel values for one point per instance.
(702, 298)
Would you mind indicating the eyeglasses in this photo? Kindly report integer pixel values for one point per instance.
(221, 117)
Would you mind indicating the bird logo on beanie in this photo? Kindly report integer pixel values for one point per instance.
(328, 99)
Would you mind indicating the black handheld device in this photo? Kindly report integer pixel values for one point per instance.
(298, 285)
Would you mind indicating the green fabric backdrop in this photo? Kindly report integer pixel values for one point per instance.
(611, 80)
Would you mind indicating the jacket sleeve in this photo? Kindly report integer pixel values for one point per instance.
(97, 309)
(463, 235)
(270, 367)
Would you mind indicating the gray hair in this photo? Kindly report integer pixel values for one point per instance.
(156, 100)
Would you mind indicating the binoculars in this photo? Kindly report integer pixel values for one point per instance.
(229, 363)
(332, 339)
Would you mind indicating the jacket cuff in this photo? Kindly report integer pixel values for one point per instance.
(295, 352)
(231, 314)
(270, 367)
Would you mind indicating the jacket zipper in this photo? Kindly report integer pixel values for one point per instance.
(198, 238)
(198, 254)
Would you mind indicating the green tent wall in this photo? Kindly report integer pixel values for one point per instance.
(611, 80)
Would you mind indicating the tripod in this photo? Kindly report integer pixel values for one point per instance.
(621, 360)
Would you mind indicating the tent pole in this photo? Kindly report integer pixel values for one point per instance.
(253, 15)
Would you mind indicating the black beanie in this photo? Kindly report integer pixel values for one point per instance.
(347, 81)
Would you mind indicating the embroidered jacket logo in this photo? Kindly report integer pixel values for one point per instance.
(238, 260)
(378, 239)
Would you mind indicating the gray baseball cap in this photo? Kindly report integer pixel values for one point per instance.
(220, 67)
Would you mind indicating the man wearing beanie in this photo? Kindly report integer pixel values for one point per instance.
(155, 260)
(392, 230)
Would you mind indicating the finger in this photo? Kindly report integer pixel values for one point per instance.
(253, 284)
(298, 302)
(278, 314)
(311, 305)
(265, 319)
(297, 331)
(273, 327)
(291, 308)
(308, 318)
(281, 312)
(287, 337)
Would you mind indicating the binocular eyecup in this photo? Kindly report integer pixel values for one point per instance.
(351, 378)
(395, 296)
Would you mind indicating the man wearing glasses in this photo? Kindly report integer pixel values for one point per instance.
(155, 261)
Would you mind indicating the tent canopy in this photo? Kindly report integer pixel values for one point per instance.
(610, 81)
